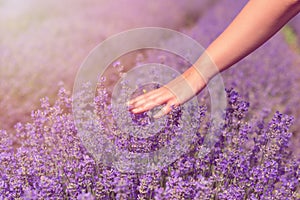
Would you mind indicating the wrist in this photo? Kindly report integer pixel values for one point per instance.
(195, 80)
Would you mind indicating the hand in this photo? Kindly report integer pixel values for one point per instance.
(175, 93)
(154, 98)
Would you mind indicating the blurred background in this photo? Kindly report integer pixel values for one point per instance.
(43, 43)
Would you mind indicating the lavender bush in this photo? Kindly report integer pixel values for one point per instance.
(45, 159)
(249, 161)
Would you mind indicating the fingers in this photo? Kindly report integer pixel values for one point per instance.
(148, 101)
(144, 107)
(141, 97)
(151, 100)
(144, 99)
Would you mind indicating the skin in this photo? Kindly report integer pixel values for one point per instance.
(257, 22)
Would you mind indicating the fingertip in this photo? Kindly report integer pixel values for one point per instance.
(133, 111)
(129, 105)
(131, 101)
(136, 110)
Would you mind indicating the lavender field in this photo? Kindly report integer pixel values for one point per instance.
(42, 45)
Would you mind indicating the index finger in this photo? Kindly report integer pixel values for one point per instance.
(142, 97)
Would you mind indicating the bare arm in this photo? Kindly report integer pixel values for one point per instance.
(255, 24)
(258, 21)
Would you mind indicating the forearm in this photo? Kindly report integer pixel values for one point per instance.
(255, 24)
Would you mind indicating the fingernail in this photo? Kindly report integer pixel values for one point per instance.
(128, 104)
(135, 110)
